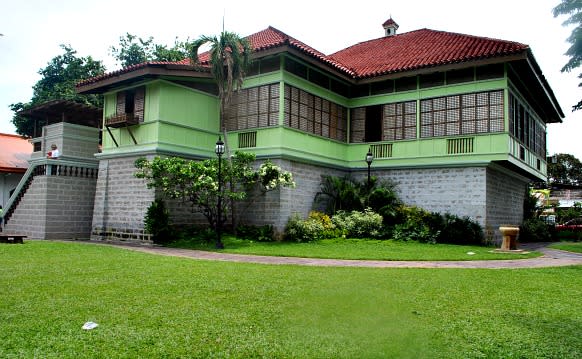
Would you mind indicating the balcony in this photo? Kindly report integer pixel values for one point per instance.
(122, 120)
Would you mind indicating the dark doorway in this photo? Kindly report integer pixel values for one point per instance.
(374, 123)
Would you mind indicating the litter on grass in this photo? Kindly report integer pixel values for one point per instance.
(471, 253)
(90, 325)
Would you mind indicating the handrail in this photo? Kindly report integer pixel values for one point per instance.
(39, 167)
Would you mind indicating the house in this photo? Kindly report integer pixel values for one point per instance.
(457, 121)
(14, 153)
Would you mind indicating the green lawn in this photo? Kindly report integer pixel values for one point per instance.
(360, 249)
(568, 246)
(150, 306)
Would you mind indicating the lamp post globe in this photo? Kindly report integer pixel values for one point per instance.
(219, 150)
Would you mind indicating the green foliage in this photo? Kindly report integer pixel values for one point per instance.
(566, 214)
(264, 233)
(58, 82)
(339, 194)
(157, 222)
(384, 200)
(348, 194)
(230, 60)
(317, 226)
(196, 182)
(567, 235)
(572, 9)
(535, 230)
(417, 224)
(530, 205)
(133, 50)
(359, 224)
(453, 229)
(567, 170)
(414, 225)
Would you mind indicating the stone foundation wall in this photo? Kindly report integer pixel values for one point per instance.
(459, 191)
(489, 195)
(505, 196)
(275, 207)
(121, 201)
(55, 207)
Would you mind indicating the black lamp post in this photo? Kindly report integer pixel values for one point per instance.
(369, 159)
(219, 150)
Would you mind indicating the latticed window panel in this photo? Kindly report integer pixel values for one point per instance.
(313, 114)
(526, 127)
(399, 121)
(466, 114)
(254, 107)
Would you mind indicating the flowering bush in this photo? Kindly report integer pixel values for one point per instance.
(317, 226)
(357, 224)
(272, 176)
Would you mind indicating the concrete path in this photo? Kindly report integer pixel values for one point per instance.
(551, 258)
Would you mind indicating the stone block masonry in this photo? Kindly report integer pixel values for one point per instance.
(55, 207)
(491, 195)
(121, 202)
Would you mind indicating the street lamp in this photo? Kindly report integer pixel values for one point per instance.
(219, 150)
(369, 159)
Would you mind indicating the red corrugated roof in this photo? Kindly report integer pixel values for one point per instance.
(420, 49)
(14, 153)
(398, 53)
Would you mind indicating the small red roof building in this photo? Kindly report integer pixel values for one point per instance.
(14, 153)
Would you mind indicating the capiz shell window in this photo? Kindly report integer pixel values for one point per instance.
(480, 112)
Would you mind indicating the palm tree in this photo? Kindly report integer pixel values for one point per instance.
(230, 59)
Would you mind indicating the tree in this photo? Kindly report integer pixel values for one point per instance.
(572, 9)
(133, 50)
(230, 59)
(58, 82)
(196, 182)
(567, 170)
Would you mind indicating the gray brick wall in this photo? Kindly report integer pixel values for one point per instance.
(121, 201)
(490, 195)
(55, 207)
(505, 196)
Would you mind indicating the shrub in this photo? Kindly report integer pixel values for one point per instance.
(256, 233)
(414, 224)
(357, 224)
(385, 201)
(535, 230)
(317, 226)
(300, 230)
(157, 222)
(458, 230)
(417, 224)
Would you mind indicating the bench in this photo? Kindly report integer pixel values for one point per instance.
(11, 238)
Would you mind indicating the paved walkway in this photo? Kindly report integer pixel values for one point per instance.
(551, 258)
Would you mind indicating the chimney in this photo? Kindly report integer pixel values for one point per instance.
(390, 26)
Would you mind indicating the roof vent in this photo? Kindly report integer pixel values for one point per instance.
(390, 26)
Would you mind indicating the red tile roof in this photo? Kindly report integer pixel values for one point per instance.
(14, 153)
(420, 49)
(403, 52)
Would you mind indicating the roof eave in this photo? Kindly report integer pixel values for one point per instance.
(149, 70)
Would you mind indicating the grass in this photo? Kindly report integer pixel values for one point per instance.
(150, 306)
(568, 246)
(359, 249)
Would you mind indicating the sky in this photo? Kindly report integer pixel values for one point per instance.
(32, 31)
